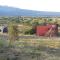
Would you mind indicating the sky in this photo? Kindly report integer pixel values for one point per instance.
(39, 5)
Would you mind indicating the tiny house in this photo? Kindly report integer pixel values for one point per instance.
(41, 30)
(48, 29)
(3, 29)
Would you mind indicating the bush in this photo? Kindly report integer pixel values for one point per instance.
(31, 31)
(3, 43)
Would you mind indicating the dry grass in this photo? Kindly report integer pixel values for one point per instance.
(53, 43)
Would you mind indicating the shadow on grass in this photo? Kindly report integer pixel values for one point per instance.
(29, 53)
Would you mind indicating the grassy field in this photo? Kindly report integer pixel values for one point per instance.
(31, 49)
(47, 42)
(38, 49)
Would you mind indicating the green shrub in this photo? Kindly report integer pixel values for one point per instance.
(3, 43)
(31, 31)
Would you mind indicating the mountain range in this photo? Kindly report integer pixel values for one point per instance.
(12, 11)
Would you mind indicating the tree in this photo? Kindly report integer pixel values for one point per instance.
(13, 33)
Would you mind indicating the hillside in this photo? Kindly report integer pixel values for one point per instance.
(11, 11)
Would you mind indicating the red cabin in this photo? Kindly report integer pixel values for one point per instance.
(42, 30)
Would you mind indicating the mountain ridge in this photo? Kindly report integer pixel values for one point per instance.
(12, 11)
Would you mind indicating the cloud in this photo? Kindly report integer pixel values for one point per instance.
(40, 5)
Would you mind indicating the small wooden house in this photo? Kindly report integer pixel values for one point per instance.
(46, 30)
(41, 30)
